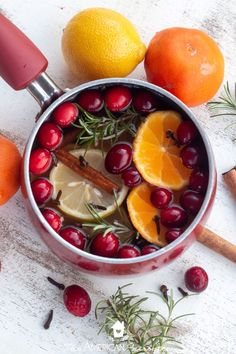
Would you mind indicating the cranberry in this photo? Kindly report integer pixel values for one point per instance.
(77, 300)
(196, 279)
(191, 156)
(40, 161)
(74, 236)
(91, 100)
(42, 190)
(128, 251)
(191, 201)
(144, 101)
(105, 245)
(173, 216)
(49, 136)
(161, 197)
(118, 158)
(186, 132)
(118, 98)
(131, 177)
(198, 181)
(65, 114)
(149, 249)
(54, 220)
(172, 235)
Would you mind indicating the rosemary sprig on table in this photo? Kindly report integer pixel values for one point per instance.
(225, 103)
(94, 129)
(144, 331)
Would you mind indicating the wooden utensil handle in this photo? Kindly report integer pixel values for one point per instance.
(218, 244)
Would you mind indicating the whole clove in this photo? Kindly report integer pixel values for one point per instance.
(48, 321)
(54, 282)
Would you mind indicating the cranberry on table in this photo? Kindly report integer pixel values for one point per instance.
(172, 235)
(105, 245)
(191, 201)
(53, 219)
(42, 190)
(161, 197)
(91, 100)
(118, 158)
(149, 249)
(49, 136)
(65, 114)
(144, 101)
(40, 161)
(186, 132)
(191, 156)
(196, 279)
(74, 236)
(131, 177)
(118, 98)
(128, 251)
(77, 300)
(173, 217)
(198, 180)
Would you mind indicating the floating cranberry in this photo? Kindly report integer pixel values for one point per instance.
(49, 136)
(198, 181)
(53, 219)
(173, 216)
(77, 300)
(196, 279)
(191, 201)
(144, 101)
(186, 132)
(74, 236)
(42, 190)
(128, 251)
(105, 245)
(149, 249)
(118, 158)
(40, 161)
(161, 197)
(65, 114)
(131, 177)
(172, 235)
(118, 98)
(91, 100)
(191, 156)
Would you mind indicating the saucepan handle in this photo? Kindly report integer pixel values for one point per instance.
(21, 62)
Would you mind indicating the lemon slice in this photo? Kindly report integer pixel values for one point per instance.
(77, 191)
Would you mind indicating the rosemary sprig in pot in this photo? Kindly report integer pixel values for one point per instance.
(144, 331)
(108, 126)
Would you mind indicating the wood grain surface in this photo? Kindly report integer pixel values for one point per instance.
(25, 295)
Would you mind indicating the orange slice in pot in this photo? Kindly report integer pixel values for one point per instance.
(142, 214)
(156, 156)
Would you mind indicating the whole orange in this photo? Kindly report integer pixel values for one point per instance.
(186, 62)
(10, 161)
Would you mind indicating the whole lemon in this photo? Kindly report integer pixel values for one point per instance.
(99, 42)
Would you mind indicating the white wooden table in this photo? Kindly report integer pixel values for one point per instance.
(25, 295)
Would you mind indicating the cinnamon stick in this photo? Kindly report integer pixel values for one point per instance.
(218, 244)
(230, 180)
(86, 171)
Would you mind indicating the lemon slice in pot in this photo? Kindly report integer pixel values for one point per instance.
(77, 192)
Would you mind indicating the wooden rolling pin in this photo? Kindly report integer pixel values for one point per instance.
(218, 244)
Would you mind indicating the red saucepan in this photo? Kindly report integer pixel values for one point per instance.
(23, 66)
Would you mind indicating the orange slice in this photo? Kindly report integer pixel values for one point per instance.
(156, 156)
(142, 214)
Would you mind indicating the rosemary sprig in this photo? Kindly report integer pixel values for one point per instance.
(144, 331)
(94, 129)
(225, 103)
(126, 232)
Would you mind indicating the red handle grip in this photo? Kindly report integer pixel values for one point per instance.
(21, 62)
